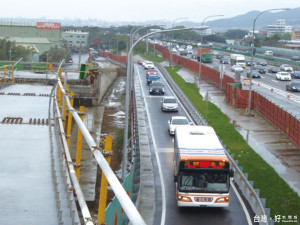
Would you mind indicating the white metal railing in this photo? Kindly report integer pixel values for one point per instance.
(126, 203)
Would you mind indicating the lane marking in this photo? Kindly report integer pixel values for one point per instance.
(168, 150)
(154, 96)
(242, 203)
(163, 190)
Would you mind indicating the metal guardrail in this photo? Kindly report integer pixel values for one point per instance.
(256, 203)
(126, 203)
(63, 188)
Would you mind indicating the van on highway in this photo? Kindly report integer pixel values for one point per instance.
(269, 53)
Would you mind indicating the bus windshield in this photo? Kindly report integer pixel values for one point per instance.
(204, 182)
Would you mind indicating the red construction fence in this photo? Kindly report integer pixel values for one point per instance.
(120, 59)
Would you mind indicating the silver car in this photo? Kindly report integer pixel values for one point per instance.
(169, 104)
(286, 68)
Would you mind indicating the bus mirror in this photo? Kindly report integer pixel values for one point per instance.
(175, 178)
(231, 173)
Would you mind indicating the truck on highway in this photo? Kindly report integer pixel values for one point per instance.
(189, 49)
(201, 167)
(238, 59)
(152, 77)
(206, 55)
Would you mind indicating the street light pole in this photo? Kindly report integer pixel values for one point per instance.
(200, 52)
(252, 53)
(10, 53)
(117, 46)
(131, 43)
(128, 90)
(170, 49)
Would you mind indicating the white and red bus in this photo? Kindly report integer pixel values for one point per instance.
(202, 169)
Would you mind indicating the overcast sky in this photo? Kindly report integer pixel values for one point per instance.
(137, 10)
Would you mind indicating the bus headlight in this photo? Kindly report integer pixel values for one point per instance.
(184, 198)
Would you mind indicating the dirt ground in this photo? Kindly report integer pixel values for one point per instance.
(112, 124)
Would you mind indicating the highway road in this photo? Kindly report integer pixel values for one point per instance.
(269, 79)
(166, 205)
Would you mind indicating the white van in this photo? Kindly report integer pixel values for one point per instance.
(268, 53)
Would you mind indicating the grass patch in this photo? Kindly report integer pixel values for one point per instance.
(140, 49)
(118, 139)
(280, 197)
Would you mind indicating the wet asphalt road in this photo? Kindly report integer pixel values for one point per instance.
(163, 144)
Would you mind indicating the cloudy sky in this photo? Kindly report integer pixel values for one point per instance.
(137, 10)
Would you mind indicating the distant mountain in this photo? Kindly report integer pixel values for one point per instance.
(245, 21)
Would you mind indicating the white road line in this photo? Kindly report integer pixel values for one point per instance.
(242, 203)
(163, 190)
(168, 150)
(154, 96)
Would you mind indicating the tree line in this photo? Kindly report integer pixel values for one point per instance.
(11, 51)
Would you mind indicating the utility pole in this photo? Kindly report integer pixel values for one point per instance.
(79, 57)
(10, 53)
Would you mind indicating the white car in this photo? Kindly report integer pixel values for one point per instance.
(190, 51)
(174, 50)
(169, 104)
(237, 68)
(286, 68)
(148, 65)
(283, 76)
(176, 121)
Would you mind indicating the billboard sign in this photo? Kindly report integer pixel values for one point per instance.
(48, 26)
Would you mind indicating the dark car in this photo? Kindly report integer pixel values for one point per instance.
(156, 88)
(69, 60)
(261, 62)
(183, 52)
(194, 56)
(295, 74)
(295, 58)
(255, 74)
(293, 86)
(260, 69)
(274, 69)
(224, 61)
(248, 62)
(219, 56)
